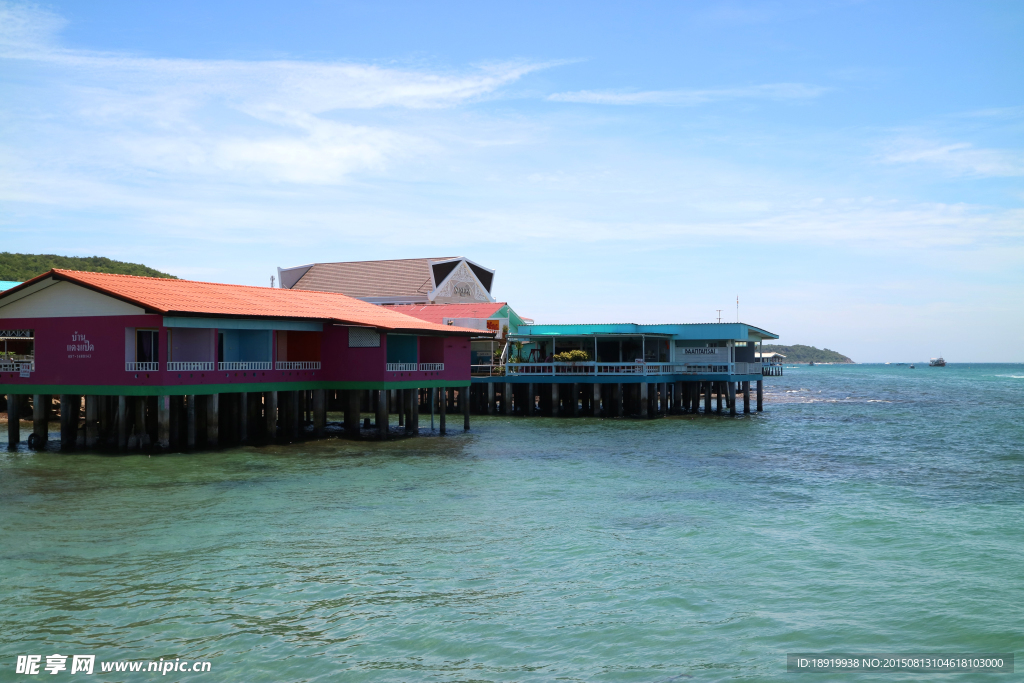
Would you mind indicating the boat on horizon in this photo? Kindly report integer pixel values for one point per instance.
(939, 362)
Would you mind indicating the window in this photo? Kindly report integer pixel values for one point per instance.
(363, 337)
(147, 346)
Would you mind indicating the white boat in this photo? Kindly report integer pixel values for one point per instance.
(939, 362)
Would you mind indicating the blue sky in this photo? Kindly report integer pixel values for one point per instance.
(853, 171)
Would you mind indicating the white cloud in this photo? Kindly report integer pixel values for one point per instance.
(959, 158)
(260, 120)
(690, 98)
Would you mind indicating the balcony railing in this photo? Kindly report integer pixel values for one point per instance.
(402, 367)
(431, 367)
(245, 365)
(298, 365)
(141, 367)
(18, 366)
(189, 366)
(593, 369)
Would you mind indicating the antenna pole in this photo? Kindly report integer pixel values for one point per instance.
(737, 308)
(719, 314)
(271, 281)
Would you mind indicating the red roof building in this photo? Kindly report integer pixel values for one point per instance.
(97, 334)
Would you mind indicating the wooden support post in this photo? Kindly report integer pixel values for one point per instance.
(746, 396)
(122, 422)
(595, 404)
(663, 398)
(679, 399)
(383, 419)
(555, 407)
(416, 412)
(531, 400)
(465, 407)
(718, 397)
(401, 407)
(731, 388)
(576, 400)
(351, 398)
(163, 422)
(41, 419)
(760, 395)
(442, 399)
(617, 401)
(67, 440)
(92, 423)
(506, 399)
(409, 400)
(319, 412)
(13, 417)
(491, 408)
(645, 410)
(294, 426)
(141, 436)
(707, 399)
(243, 417)
(212, 420)
(190, 411)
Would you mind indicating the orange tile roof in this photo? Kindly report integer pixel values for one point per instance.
(187, 297)
(436, 313)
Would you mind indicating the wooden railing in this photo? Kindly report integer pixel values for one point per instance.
(189, 366)
(402, 367)
(141, 367)
(298, 365)
(245, 365)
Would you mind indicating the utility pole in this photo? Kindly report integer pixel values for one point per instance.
(271, 281)
(719, 314)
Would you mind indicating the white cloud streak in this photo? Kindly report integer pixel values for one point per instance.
(960, 158)
(692, 98)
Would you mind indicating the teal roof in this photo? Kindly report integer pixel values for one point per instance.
(7, 284)
(734, 331)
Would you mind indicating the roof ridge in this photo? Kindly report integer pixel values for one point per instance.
(198, 282)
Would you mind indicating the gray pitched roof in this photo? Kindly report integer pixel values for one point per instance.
(400, 277)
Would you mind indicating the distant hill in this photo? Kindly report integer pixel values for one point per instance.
(21, 267)
(798, 353)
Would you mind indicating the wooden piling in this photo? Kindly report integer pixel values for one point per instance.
(190, 412)
(163, 435)
(746, 396)
(491, 408)
(760, 395)
(465, 407)
(92, 424)
(731, 388)
(416, 412)
(506, 399)
(443, 414)
(41, 419)
(644, 399)
(555, 400)
(212, 420)
(13, 424)
(382, 414)
(319, 412)
(707, 398)
(531, 397)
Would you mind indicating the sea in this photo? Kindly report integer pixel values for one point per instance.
(868, 509)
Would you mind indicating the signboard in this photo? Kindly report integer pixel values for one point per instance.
(702, 354)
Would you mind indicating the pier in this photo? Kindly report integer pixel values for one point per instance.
(149, 364)
(624, 370)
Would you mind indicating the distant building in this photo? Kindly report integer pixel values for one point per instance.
(443, 280)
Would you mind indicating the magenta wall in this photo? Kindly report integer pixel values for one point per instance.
(90, 351)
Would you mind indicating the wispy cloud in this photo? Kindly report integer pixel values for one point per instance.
(272, 120)
(959, 158)
(691, 98)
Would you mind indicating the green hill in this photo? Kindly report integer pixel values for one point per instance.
(798, 353)
(21, 267)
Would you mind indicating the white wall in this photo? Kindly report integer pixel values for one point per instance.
(66, 300)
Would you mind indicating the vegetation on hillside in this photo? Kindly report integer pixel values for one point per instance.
(21, 267)
(798, 353)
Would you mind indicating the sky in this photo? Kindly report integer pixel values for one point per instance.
(853, 172)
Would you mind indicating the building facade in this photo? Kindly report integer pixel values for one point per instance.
(166, 342)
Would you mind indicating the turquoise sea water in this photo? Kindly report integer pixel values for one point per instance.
(869, 509)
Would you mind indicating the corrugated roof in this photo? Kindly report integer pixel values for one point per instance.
(436, 313)
(187, 297)
(399, 277)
